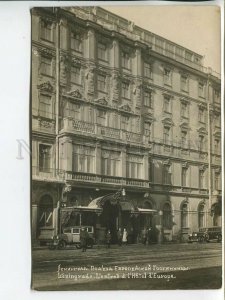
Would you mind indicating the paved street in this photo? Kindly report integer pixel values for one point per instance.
(169, 266)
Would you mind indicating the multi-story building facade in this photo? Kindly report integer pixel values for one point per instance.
(115, 107)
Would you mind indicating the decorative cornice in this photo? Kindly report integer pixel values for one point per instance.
(101, 101)
(75, 93)
(46, 86)
(125, 108)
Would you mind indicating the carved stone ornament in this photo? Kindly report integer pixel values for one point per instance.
(46, 86)
(75, 61)
(125, 107)
(101, 101)
(46, 52)
(46, 124)
(75, 93)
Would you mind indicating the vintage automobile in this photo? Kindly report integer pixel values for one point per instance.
(71, 236)
(206, 234)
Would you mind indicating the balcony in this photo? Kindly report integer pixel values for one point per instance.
(53, 175)
(105, 179)
(71, 125)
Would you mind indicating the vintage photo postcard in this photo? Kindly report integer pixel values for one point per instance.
(126, 148)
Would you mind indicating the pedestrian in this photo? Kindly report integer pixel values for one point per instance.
(108, 238)
(83, 239)
(119, 236)
(144, 236)
(124, 238)
(149, 235)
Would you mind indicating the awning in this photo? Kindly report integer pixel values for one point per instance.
(146, 210)
(81, 208)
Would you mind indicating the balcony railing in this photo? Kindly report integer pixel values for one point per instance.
(51, 174)
(78, 126)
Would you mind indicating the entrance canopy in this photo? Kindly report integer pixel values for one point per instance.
(125, 205)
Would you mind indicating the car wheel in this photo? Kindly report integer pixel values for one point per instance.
(206, 238)
(219, 238)
(201, 239)
(61, 245)
(78, 246)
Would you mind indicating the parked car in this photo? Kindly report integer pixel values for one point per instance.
(206, 234)
(71, 236)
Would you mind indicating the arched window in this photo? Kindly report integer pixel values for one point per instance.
(167, 216)
(147, 205)
(216, 215)
(201, 215)
(184, 215)
(45, 211)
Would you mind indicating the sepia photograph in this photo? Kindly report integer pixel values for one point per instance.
(126, 173)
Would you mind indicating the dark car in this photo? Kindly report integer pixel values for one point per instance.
(206, 234)
(71, 236)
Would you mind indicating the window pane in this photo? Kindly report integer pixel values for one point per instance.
(45, 106)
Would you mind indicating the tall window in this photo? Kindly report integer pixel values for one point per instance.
(201, 178)
(76, 41)
(134, 166)
(167, 104)
(217, 180)
(184, 83)
(147, 129)
(83, 159)
(201, 215)
(184, 176)
(184, 110)
(101, 82)
(75, 75)
(216, 96)
(201, 89)
(125, 90)
(183, 138)
(44, 158)
(101, 117)
(201, 143)
(46, 30)
(216, 146)
(46, 66)
(125, 60)
(167, 216)
(147, 70)
(73, 110)
(184, 215)
(167, 76)
(166, 174)
(125, 122)
(148, 99)
(45, 106)
(102, 51)
(201, 114)
(110, 163)
(45, 212)
(166, 134)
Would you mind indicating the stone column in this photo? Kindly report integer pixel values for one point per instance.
(90, 52)
(34, 221)
(146, 167)
(114, 57)
(124, 162)
(98, 158)
(137, 63)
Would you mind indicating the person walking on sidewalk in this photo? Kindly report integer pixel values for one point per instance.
(108, 238)
(124, 239)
